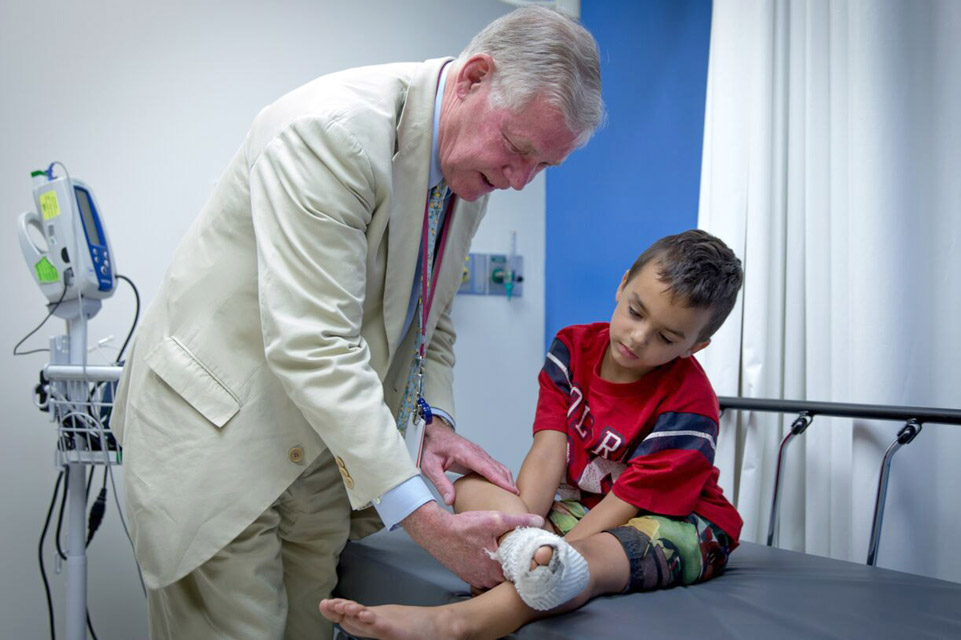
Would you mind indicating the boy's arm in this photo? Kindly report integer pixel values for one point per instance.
(543, 470)
(608, 513)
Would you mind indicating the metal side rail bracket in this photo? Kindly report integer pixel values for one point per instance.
(806, 410)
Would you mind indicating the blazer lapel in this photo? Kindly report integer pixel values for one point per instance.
(411, 166)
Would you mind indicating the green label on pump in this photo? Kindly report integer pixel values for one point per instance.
(46, 272)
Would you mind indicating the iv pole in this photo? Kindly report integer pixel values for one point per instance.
(75, 251)
(69, 371)
(71, 350)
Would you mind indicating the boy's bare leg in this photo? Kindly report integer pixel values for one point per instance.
(491, 615)
(475, 493)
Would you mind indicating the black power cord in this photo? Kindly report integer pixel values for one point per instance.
(43, 571)
(97, 510)
(93, 523)
(37, 328)
(133, 326)
(63, 502)
(136, 316)
(90, 626)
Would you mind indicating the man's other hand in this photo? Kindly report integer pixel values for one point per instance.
(445, 451)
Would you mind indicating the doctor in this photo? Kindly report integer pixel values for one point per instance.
(258, 409)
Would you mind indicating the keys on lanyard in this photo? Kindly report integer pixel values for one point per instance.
(420, 416)
(423, 409)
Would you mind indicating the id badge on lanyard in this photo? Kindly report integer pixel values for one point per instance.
(414, 436)
(417, 423)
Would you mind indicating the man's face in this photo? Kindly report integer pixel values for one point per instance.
(649, 328)
(483, 148)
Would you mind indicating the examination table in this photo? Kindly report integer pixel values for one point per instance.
(765, 593)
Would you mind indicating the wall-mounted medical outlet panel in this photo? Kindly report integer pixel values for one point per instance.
(487, 274)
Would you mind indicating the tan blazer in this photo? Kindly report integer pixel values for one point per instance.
(278, 328)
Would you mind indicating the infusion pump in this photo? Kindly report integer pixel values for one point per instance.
(65, 244)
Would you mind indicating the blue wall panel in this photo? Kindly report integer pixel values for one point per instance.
(638, 179)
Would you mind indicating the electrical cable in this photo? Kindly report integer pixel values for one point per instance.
(93, 523)
(90, 626)
(63, 502)
(116, 498)
(43, 571)
(136, 316)
(96, 514)
(94, 423)
(43, 322)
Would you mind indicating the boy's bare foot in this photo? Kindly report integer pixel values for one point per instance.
(393, 622)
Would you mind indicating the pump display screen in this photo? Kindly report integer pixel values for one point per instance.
(86, 213)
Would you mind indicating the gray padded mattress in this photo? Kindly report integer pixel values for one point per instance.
(765, 593)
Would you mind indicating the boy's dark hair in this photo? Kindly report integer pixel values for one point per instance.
(699, 269)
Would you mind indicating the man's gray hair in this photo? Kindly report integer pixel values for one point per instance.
(541, 51)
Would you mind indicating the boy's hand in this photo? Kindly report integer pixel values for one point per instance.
(460, 541)
(444, 451)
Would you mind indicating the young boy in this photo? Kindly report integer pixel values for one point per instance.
(621, 464)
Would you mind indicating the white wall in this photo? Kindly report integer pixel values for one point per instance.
(146, 102)
(500, 344)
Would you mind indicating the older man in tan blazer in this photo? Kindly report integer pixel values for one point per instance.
(257, 409)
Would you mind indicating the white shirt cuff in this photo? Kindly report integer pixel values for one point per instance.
(402, 500)
(446, 416)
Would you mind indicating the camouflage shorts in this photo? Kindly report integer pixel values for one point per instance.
(662, 551)
(665, 552)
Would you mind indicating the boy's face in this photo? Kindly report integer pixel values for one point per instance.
(649, 329)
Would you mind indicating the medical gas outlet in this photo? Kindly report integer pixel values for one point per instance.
(493, 274)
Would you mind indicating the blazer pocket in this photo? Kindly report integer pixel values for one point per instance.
(194, 382)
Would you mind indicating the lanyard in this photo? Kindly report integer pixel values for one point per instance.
(428, 285)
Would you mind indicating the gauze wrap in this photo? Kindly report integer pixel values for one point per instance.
(547, 586)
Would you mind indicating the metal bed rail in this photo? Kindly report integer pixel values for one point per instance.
(912, 417)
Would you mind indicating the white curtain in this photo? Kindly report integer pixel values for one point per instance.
(832, 166)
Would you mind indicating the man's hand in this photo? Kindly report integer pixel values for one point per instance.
(461, 541)
(444, 450)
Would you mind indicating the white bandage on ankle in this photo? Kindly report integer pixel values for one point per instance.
(546, 586)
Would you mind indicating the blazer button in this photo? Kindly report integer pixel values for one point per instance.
(348, 481)
(296, 455)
